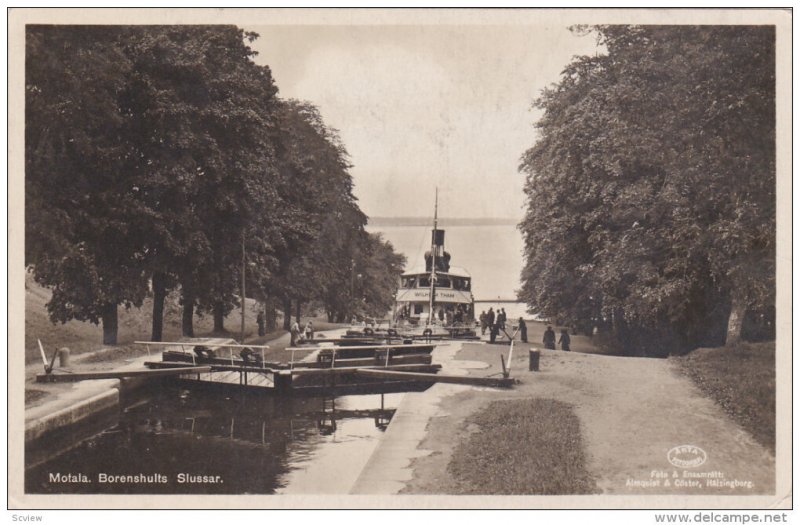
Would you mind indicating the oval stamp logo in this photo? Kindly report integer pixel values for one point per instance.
(687, 456)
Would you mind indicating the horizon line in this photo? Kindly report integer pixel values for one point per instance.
(425, 217)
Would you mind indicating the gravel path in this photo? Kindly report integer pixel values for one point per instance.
(633, 411)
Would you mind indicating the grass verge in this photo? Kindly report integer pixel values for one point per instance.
(134, 324)
(741, 379)
(527, 446)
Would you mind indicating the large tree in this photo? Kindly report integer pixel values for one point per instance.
(382, 267)
(79, 237)
(150, 155)
(320, 213)
(160, 157)
(651, 187)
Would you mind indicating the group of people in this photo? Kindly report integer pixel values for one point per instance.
(496, 322)
(490, 320)
(449, 317)
(549, 339)
(296, 335)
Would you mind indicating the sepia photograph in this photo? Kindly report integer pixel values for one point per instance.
(400, 258)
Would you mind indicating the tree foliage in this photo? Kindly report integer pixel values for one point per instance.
(157, 156)
(382, 267)
(78, 229)
(651, 189)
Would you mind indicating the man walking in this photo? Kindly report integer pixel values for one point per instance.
(523, 330)
(494, 331)
(564, 340)
(549, 338)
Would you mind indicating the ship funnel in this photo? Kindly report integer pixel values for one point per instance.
(437, 238)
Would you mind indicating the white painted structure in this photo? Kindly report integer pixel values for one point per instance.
(452, 289)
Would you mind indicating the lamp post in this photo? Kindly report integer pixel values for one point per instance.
(244, 267)
(352, 286)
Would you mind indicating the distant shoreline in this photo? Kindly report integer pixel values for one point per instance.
(443, 222)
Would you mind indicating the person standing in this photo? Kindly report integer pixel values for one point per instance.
(295, 333)
(549, 338)
(482, 319)
(441, 314)
(523, 330)
(494, 330)
(501, 318)
(490, 319)
(564, 340)
(309, 331)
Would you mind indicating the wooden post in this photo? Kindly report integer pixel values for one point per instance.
(44, 358)
(533, 360)
(64, 363)
(283, 382)
(503, 364)
(63, 358)
(511, 352)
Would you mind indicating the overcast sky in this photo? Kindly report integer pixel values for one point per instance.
(425, 106)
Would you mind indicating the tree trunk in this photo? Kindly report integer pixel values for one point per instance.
(159, 293)
(287, 314)
(298, 307)
(734, 333)
(188, 315)
(620, 329)
(271, 313)
(109, 317)
(219, 317)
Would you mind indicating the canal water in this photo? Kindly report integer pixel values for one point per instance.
(196, 442)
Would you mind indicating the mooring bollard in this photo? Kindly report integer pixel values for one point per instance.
(533, 360)
(63, 357)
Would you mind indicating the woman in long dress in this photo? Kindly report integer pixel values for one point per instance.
(564, 340)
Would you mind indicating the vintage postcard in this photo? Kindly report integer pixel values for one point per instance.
(388, 258)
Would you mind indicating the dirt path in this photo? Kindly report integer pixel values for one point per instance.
(633, 411)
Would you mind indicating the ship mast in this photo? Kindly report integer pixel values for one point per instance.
(433, 257)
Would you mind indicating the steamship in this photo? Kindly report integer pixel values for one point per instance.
(437, 293)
